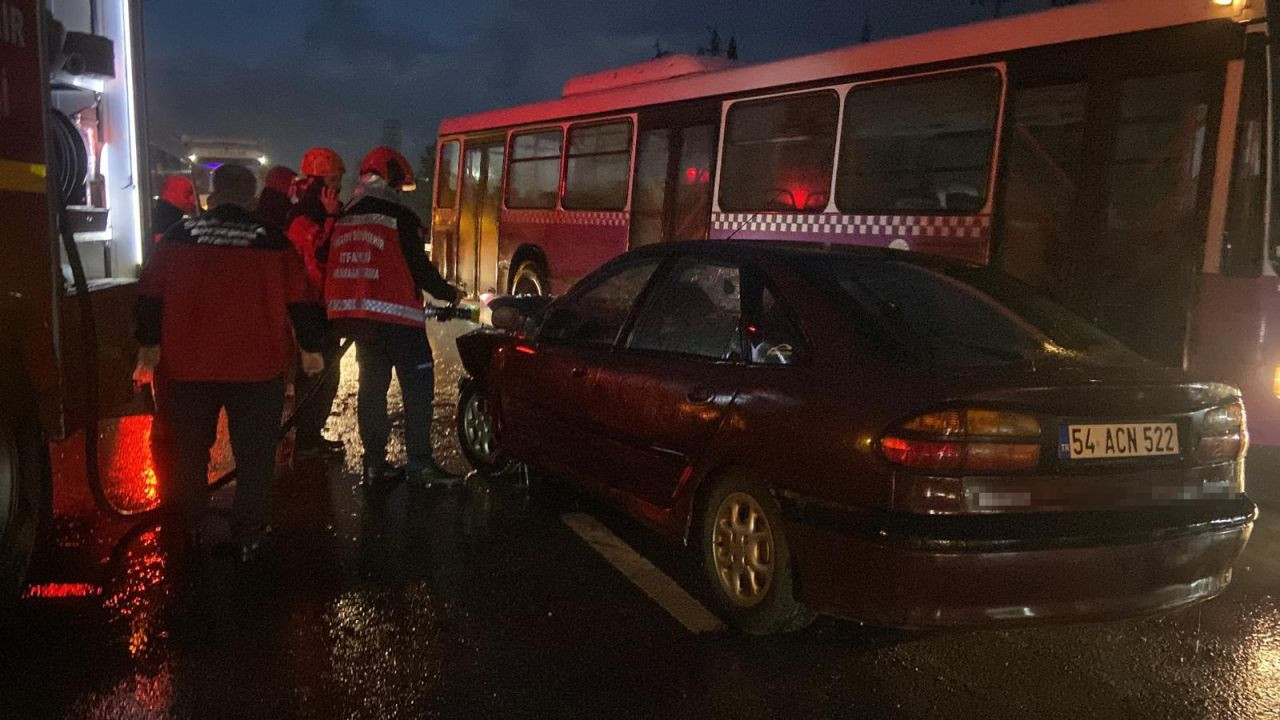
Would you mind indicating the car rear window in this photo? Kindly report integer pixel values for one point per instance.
(961, 316)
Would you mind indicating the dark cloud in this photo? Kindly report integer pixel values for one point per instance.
(331, 71)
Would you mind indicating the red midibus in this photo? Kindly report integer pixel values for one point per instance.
(1117, 153)
(73, 187)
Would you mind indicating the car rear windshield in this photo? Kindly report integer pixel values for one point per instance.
(963, 317)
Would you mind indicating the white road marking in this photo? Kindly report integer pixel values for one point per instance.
(643, 574)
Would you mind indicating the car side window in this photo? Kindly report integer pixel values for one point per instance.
(695, 309)
(772, 339)
(596, 315)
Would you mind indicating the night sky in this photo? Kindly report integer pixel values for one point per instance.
(308, 72)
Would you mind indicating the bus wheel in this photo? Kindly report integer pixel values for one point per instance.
(24, 484)
(529, 279)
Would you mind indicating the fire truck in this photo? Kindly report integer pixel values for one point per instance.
(73, 222)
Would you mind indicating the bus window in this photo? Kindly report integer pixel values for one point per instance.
(693, 187)
(534, 172)
(923, 145)
(599, 166)
(1043, 152)
(1242, 248)
(1140, 280)
(779, 152)
(653, 156)
(447, 175)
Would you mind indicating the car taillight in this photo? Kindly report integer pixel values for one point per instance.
(1224, 434)
(965, 441)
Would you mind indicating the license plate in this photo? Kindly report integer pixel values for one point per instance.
(1117, 440)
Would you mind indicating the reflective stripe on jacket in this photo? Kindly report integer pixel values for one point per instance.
(366, 273)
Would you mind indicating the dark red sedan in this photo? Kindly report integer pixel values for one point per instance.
(873, 435)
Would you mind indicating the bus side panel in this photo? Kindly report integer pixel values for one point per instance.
(574, 242)
(966, 238)
(1226, 345)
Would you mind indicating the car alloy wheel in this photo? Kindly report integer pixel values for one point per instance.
(743, 548)
(477, 428)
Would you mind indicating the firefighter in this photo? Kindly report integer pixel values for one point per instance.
(215, 302)
(377, 272)
(309, 224)
(177, 201)
(276, 198)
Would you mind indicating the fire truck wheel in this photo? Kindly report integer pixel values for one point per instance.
(24, 499)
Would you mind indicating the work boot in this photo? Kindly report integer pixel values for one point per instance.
(249, 543)
(316, 446)
(431, 475)
(381, 474)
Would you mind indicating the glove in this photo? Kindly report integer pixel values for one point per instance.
(312, 363)
(144, 371)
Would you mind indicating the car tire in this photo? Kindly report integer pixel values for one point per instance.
(476, 429)
(530, 278)
(24, 501)
(746, 559)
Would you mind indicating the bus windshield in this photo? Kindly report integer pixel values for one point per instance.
(965, 317)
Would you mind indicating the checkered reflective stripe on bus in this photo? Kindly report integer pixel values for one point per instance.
(891, 226)
(567, 217)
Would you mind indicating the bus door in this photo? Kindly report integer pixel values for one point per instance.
(675, 159)
(1106, 182)
(477, 258)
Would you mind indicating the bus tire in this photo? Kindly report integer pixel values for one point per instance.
(530, 278)
(24, 500)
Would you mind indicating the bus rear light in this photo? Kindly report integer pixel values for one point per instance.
(1275, 382)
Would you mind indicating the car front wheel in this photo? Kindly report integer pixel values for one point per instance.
(746, 559)
(477, 434)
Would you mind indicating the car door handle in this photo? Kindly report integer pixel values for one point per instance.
(701, 394)
(578, 372)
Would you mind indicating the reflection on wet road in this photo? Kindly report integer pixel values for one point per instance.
(480, 602)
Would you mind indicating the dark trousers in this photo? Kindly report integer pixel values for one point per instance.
(315, 413)
(191, 411)
(387, 346)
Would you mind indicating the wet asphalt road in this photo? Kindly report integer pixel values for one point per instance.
(482, 603)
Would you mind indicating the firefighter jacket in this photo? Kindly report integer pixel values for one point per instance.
(377, 266)
(218, 296)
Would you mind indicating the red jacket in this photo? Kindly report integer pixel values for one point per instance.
(218, 296)
(307, 236)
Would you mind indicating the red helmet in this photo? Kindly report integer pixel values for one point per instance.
(390, 166)
(281, 178)
(322, 162)
(180, 193)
